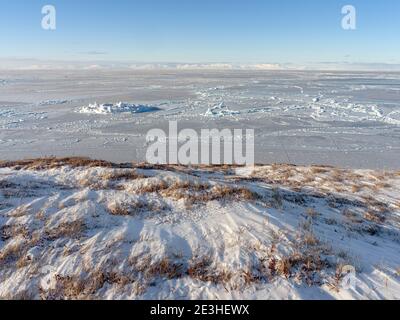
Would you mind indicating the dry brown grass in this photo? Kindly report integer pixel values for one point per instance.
(12, 231)
(325, 179)
(127, 174)
(335, 283)
(119, 209)
(352, 216)
(79, 288)
(376, 207)
(164, 268)
(110, 179)
(202, 268)
(249, 277)
(153, 187)
(338, 175)
(22, 262)
(20, 211)
(320, 170)
(312, 213)
(73, 229)
(375, 217)
(22, 241)
(198, 192)
(382, 185)
(283, 267)
(23, 295)
(378, 176)
(16, 251)
(145, 270)
(355, 188)
(86, 287)
(302, 266)
(134, 208)
(182, 189)
(309, 239)
(12, 251)
(53, 163)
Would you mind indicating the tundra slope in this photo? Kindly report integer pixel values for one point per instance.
(82, 229)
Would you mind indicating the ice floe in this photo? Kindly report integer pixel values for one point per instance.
(393, 117)
(11, 117)
(120, 107)
(220, 110)
(52, 102)
(349, 112)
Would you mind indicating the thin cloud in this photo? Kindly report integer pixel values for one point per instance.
(94, 53)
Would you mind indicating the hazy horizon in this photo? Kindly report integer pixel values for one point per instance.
(51, 64)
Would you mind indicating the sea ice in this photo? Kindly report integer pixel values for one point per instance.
(220, 110)
(52, 102)
(120, 107)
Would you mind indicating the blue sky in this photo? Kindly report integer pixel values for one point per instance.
(245, 31)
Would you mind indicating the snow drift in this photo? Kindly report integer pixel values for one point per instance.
(82, 229)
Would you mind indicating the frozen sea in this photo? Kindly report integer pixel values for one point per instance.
(347, 119)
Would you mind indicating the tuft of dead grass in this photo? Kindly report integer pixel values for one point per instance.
(72, 229)
(86, 286)
(351, 216)
(283, 267)
(203, 269)
(356, 188)
(13, 231)
(375, 217)
(383, 185)
(320, 170)
(127, 174)
(134, 208)
(309, 239)
(165, 268)
(12, 251)
(312, 213)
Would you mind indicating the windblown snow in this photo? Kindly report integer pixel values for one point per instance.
(83, 229)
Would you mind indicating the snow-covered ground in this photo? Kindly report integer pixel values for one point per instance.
(349, 119)
(82, 229)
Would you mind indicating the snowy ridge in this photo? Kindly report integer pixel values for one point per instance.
(80, 229)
